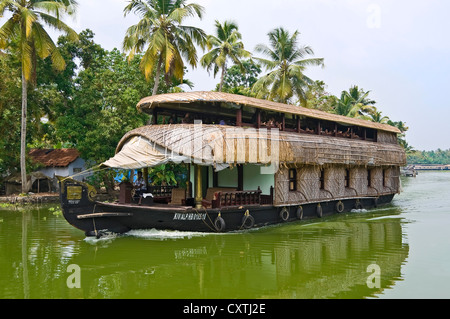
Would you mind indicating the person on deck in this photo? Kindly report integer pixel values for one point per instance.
(139, 185)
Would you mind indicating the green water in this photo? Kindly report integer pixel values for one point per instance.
(407, 241)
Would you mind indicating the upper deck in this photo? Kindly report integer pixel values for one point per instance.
(241, 111)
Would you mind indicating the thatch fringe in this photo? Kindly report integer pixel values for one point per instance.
(233, 145)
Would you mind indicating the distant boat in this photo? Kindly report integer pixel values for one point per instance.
(408, 171)
(251, 163)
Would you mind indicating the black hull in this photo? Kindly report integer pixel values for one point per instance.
(97, 218)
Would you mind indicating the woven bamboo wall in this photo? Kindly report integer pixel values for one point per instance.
(308, 183)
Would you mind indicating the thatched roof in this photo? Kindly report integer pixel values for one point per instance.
(148, 103)
(54, 157)
(215, 144)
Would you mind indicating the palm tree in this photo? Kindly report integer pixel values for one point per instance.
(25, 30)
(376, 116)
(167, 40)
(354, 103)
(286, 64)
(225, 45)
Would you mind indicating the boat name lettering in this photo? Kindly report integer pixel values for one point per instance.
(189, 216)
(73, 201)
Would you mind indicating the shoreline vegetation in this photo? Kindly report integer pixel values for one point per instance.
(75, 94)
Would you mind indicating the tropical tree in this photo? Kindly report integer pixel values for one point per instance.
(354, 103)
(163, 38)
(377, 116)
(318, 98)
(24, 33)
(226, 44)
(287, 63)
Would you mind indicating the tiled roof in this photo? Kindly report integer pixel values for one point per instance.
(54, 157)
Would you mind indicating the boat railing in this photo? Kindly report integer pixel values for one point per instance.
(237, 198)
(161, 192)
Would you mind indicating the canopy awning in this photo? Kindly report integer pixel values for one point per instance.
(137, 153)
(221, 146)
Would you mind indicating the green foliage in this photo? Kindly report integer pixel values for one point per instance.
(238, 82)
(10, 101)
(160, 29)
(440, 157)
(225, 45)
(318, 98)
(103, 106)
(286, 64)
(354, 103)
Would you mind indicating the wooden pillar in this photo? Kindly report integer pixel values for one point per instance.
(240, 169)
(215, 179)
(145, 176)
(198, 186)
(318, 128)
(188, 182)
(155, 117)
(239, 117)
(258, 118)
(298, 124)
(283, 121)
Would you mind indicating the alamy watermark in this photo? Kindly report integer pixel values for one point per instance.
(74, 279)
(374, 279)
(374, 18)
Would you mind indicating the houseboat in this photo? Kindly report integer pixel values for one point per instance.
(250, 163)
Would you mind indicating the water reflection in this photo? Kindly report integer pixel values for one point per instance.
(298, 260)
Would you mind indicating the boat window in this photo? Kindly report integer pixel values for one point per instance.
(347, 178)
(292, 179)
(369, 178)
(322, 179)
(371, 134)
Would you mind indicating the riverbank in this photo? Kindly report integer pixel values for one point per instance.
(30, 198)
(52, 197)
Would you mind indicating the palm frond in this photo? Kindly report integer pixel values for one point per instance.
(59, 25)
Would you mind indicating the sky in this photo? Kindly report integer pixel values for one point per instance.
(396, 49)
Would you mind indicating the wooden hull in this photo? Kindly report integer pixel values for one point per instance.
(97, 218)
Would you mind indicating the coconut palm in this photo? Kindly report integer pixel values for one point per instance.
(287, 64)
(24, 33)
(162, 37)
(354, 103)
(376, 116)
(225, 45)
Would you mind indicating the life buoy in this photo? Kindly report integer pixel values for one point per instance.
(319, 211)
(300, 212)
(247, 220)
(219, 223)
(284, 214)
(339, 207)
(358, 205)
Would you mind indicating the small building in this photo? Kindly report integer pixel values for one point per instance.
(37, 182)
(58, 162)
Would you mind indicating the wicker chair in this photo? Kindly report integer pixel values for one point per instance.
(178, 196)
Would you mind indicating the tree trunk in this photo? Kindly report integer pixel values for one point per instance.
(222, 77)
(157, 76)
(23, 136)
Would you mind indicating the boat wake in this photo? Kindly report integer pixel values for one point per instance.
(155, 234)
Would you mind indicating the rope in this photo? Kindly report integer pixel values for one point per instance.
(86, 171)
(203, 220)
(246, 214)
